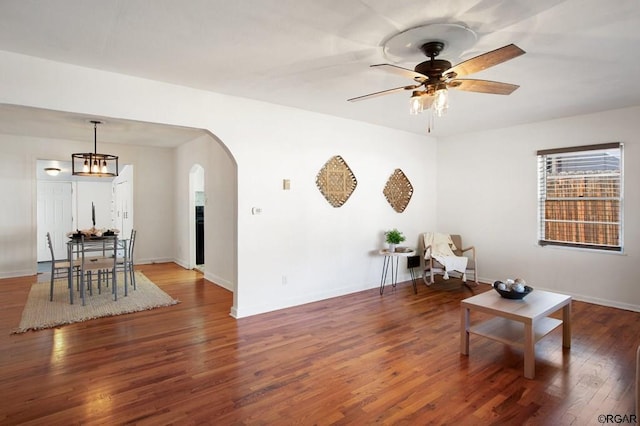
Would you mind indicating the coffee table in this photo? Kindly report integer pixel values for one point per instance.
(519, 323)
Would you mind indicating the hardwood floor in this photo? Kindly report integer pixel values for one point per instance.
(357, 359)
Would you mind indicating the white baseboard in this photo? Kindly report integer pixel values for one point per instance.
(156, 260)
(297, 301)
(214, 279)
(16, 274)
(598, 301)
(588, 299)
(220, 282)
(182, 264)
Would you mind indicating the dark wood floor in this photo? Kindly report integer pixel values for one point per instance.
(357, 359)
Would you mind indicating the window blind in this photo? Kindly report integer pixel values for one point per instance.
(580, 196)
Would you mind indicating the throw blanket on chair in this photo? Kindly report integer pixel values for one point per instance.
(442, 250)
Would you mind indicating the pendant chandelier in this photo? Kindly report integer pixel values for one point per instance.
(94, 164)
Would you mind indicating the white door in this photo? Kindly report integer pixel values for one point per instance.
(55, 217)
(123, 219)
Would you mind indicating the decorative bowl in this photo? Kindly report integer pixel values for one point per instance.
(403, 249)
(512, 294)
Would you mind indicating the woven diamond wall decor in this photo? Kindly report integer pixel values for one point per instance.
(336, 181)
(398, 190)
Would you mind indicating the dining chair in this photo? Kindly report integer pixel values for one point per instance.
(125, 263)
(60, 267)
(103, 266)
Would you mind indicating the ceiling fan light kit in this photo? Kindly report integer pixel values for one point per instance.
(436, 76)
(416, 105)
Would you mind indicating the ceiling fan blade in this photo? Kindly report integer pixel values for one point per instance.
(486, 60)
(403, 72)
(384, 92)
(482, 86)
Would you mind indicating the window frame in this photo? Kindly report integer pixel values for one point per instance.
(546, 155)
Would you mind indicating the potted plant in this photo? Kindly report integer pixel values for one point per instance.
(393, 238)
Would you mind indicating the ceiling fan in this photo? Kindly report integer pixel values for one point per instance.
(434, 76)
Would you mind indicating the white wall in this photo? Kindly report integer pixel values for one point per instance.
(153, 187)
(320, 250)
(98, 193)
(18, 246)
(487, 192)
(220, 210)
(486, 189)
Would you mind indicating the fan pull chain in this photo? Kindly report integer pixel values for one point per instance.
(430, 121)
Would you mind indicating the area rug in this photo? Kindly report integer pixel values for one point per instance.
(40, 313)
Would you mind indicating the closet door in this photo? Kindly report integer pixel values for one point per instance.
(54, 216)
(122, 202)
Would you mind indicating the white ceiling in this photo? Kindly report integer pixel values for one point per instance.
(582, 55)
(43, 123)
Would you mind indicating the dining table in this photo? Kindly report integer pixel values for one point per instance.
(97, 254)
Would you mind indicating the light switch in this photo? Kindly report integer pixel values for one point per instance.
(286, 184)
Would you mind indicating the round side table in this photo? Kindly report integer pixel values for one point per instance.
(389, 258)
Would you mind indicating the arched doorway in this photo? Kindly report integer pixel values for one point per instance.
(197, 203)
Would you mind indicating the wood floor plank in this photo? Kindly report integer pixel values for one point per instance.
(356, 359)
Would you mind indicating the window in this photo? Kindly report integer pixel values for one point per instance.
(580, 197)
